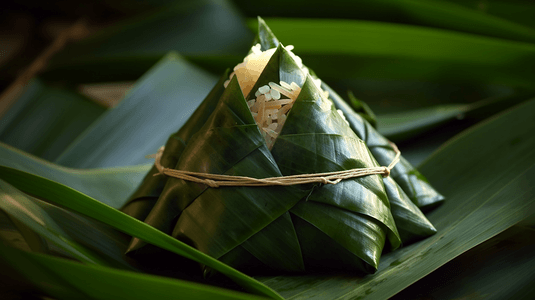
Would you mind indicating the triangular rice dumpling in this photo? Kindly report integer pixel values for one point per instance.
(274, 119)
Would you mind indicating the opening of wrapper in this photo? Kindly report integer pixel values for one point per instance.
(273, 101)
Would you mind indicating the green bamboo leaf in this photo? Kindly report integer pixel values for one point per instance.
(520, 12)
(92, 236)
(265, 36)
(378, 50)
(386, 96)
(12, 284)
(64, 279)
(20, 236)
(169, 92)
(362, 109)
(410, 221)
(45, 120)
(96, 237)
(418, 150)
(62, 195)
(281, 236)
(466, 16)
(481, 190)
(498, 268)
(64, 233)
(405, 125)
(22, 209)
(355, 241)
(127, 49)
(124, 180)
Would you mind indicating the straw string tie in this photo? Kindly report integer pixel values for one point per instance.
(218, 180)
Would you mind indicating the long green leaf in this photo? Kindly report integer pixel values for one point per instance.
(69, 280)
(50, 229)
(386, 96)
(78, 202)
(430, 13)
(417, 150)
(405, 125)
(378, 50)
(24, 210)
(520, 11)
(500, 268)
(63, 233)
(45, 120)
(171, 90)
(20, 236)
(93, 182)
(486, 173)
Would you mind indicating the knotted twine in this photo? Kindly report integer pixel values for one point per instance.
(216, 180)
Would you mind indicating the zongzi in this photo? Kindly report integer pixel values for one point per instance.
(274, 118)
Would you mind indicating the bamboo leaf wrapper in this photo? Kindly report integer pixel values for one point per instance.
(287, 228)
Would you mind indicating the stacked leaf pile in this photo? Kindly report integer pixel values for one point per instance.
(287, 228)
